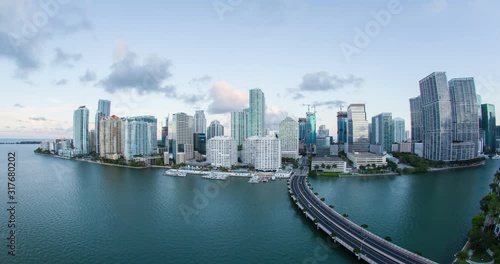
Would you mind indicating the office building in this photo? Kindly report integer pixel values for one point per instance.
(257, 112)
(323, 131)
(222, 151)
(417, 123)
(357, 128)
(382, 131)
(342, 127)
(136, 138)
(164, 133)
(200, 123)
(103, 110)
(329, 164)
(289, 137)
(437, 117)
(399, 132)
(264, 153)
(215, 130)
(488, 124)
(180, 134)
(465, 118)
(200, 143)
(81, 130)
(310, 132)
(110, 135)
(240, 124)
(365, 158)
(302, 135)
(153, 137)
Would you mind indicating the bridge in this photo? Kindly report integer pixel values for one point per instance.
(364, 244)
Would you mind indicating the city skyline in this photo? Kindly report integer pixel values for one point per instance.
(85, 58)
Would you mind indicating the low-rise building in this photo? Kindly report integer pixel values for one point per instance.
(365, 158)
(329, 164)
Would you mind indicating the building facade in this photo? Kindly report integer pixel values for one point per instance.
(310, 132)
(399, 132)
(264, 153)
(215, 130)
(342, 127)
(81, 130)
(135, 138)
(488, 124)
(436, 116)
(289, 138)
(357, 128)
(417, 123)
(180, 134)
(200, 122)
(257, 112)
(240, 124)
(383, 131)
(110, 134)
(222, 151)
(103, 110)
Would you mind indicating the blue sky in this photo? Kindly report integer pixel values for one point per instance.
(163, 57)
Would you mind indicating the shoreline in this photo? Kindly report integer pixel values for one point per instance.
(94, 162)
(482, 163)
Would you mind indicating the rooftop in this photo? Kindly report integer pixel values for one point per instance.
(364, 155)
(327, 159)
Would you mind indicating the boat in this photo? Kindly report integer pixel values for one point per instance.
(177, 173)
(273, 178)
(496, 157)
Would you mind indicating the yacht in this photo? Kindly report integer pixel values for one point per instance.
(177, 173)
(496, 157)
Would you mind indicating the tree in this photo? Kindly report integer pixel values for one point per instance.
(331, 206)
(316, 167)
(388, 238)
(322, 199)
(328, 167)
(240, 147)
(364, 226)
(323, 165)
(345, 215)
(312, 173)
(494, 187)
(478, 220)
(462, 256)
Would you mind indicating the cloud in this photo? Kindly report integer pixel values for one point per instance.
(204, 79)
(437, 6)
(65, 59)
(88, 76)
(146, 77)
(274, 115)
(297, 96)
(226, 99)
(23, 37)
(323, 81)
(193, 98)
(38, 118)
(61, 82)
(330, 104)
(19, 106)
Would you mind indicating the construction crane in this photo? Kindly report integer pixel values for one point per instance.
(309, 107)
(341, 107)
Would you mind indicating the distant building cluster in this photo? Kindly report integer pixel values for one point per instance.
(448, 123)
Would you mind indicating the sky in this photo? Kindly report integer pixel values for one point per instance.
(163, 57)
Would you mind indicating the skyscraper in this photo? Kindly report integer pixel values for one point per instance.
(383, 131)
(215, 130)
(436, 116)
(103, 110)
(200, 123)
(398, 125)
(342, 127)
(136, 137)
(164, 133)
(264, 153)
(180, 133)
(153, 131)
(240, 124)
(110, 136)
(323, 131)
(465, 116)
(289, 138)
(488, 124)
(81, 129)
(222, 151)
(357, 128)
(257, 113)
(417, 124)
(310, 132)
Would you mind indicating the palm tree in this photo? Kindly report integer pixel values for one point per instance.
(328, 167)
(497, 177)
(316, 167)
(323, 165)
(462, 256)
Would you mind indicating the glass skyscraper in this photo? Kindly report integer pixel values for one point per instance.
(398, 125)
(417, 124)
(81, 129)
(357, 129)
(383, 131)
(341, 127)
(200, 123)
(465, 116)
(215, 130)
(436, 116)
(310, 132)
(103, 110)
(240, 124)
(257, 113)
(488, 124)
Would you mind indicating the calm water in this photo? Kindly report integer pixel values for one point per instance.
(74, 212)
